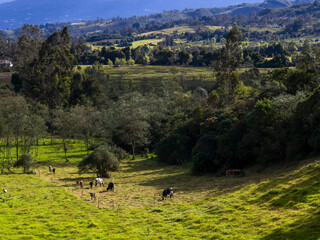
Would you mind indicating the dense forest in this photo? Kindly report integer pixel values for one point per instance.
(261, 106)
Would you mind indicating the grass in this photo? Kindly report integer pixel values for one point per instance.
(153, 41)
(279, 203)
(168, 31)
(147, 78)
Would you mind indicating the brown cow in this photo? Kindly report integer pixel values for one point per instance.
(81, 184)
(234, 172)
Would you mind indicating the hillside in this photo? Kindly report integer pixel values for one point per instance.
(281, 202)
(14, 14)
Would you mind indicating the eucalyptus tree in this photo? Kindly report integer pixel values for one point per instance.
(64, 124)
(229, 60)
(87, 122)
(15, 114)
(129, 121)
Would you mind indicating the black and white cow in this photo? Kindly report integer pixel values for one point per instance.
(93, 196)
(166, 192)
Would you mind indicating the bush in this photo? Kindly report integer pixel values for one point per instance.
(100, 161)
(25, 161)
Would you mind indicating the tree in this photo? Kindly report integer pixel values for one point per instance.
(230, 58)
(15, 113)
(130, 126)
(64, 125)
(100, 161)
(47, 78)
(27, 46)
(86, 122)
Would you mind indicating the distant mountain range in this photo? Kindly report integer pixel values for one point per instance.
(18, 12)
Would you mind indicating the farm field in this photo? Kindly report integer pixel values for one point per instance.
(152, 77)
(276, 203)
(153, 41)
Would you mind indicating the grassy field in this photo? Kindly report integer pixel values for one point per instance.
(168, 31)
(275, 203)
(153, 41)
(146, 78)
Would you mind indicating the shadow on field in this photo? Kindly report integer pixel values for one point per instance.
(181, 178)
(305, 228)
(302, 188)
(56, 164)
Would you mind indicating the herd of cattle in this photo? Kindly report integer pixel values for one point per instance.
(166, 192)
(99, 181)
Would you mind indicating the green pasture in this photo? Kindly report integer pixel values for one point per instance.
(156, 73)
(281, 202)
(168, 31)
(153, 41)
(146, 78)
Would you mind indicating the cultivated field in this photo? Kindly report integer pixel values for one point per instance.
(279, 203)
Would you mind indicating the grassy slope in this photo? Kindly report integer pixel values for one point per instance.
(281, 203)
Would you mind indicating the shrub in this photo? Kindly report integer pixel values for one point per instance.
(100, 161)
(25, 161)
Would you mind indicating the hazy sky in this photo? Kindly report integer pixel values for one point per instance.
(3, 1)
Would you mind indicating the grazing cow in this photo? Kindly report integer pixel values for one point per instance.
(54, 171)
(110, 186)
(235, 172)
(166, 192)
(91, 184)
(99, 181)
(50, 168)
(5, 190)
(93, 196)
(81, 184)
(78, 183)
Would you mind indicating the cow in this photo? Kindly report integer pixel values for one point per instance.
(50, 168)
(5, 190)
(99, 181)
(81, 184)
(166, 192)
(110, 186)
(54, 171)
(234, 172)
(93, 196)
(91, 184)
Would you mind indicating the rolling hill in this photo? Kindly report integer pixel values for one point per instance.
(18, 12)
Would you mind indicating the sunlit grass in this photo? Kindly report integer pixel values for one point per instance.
(278, 203)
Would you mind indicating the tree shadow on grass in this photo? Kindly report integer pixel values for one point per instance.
(306, 228)
(181, 178)
(298, 192)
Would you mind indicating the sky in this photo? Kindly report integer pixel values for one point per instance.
(3, 1)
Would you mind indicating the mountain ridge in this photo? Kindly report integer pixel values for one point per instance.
(16, 13)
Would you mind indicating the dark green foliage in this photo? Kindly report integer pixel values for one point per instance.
(100, 161)
(304, 134)
(204, 155)
(25, 161)
(47, 78)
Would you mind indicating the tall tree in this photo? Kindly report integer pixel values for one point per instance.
(129, 117)
(229, 60)
(64, 124)
(47, 78)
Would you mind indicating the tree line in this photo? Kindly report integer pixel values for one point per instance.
(246, 117)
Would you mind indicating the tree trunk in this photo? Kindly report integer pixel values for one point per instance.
(133, 153)
(65, 150)
(17, 148)
(87, 144)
